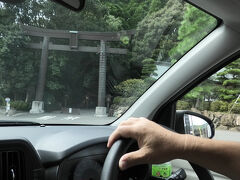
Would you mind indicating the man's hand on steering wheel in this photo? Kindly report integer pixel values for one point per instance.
(156, 144)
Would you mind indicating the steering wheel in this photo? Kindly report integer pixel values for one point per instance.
(111, 169)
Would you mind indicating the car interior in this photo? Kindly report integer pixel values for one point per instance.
(37, 150)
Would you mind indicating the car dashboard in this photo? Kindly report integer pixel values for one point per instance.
(53, 152)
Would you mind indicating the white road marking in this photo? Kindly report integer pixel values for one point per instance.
(46, 117)
(71, 118)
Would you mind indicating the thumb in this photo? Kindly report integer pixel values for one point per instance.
(132, 159)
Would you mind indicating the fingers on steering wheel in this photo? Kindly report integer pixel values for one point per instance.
(132, 159)
(124, 131)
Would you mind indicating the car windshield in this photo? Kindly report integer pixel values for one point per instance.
(58, 66)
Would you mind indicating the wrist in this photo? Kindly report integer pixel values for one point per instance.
(187, 146)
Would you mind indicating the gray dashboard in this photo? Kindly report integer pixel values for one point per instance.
(57, 149)
(53, 143)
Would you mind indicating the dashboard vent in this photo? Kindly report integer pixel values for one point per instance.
(12, 165)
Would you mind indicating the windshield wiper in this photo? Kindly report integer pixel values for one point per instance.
(19, 123)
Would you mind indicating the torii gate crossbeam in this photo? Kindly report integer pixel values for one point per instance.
(74, 36)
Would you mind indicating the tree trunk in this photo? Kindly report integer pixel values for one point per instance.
(197, 103)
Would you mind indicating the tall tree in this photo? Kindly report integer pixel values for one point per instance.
(149, 67)
(129, 12)
(196, 24)
(17, 65)
(229, 79)
(155, 33)
(204, 92)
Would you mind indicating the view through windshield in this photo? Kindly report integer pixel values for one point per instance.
(58, 66)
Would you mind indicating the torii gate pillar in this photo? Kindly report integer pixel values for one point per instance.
(101, 110)
(38, 104)
(74, 36)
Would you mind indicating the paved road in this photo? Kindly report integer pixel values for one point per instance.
(85, 117)
(227, 135)
(88, 117)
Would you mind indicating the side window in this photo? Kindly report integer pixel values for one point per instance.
(218, 98)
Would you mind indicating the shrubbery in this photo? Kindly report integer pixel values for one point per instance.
(20, 105)
(130, 90)
(234, 109)
(215, 106)
(222, 106)
(2, 101)
(121, 101)
(131, 87)
(206, 105)
(219, 106)
(183, 105)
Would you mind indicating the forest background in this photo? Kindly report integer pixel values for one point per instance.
(165, 31)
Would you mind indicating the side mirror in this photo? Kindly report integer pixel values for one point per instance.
(75, 5)
(188, 122)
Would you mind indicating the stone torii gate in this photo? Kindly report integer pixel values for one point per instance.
(74, 36)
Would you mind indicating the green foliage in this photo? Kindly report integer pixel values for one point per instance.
(149, 66)
(149, 81)
(114, 22)
(17, 64)
(195, 25)
(201, 93)
(128, 12)
(229, 79)
(156, 5)
(55, 70)
(131, 87)
(223, 87)
(205, 106)
(75, 74)
(183, 105)
(155, 33)
(235, 108)
(67, 74)
(130, 90)
(125, 40)
(121, 101)
(2, 101)
(231, 82)
(217, 106)
(20, 105)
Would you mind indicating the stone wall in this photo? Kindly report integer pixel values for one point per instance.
(117, 111)
(223, 121)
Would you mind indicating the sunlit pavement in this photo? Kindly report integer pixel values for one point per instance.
(227, 135)
(87, 116)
